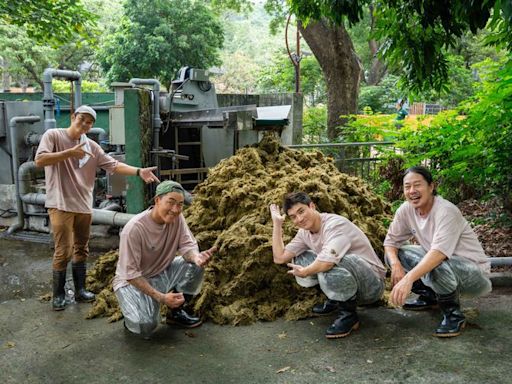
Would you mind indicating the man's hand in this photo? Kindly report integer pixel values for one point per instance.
(296, 270)
(173, 300)
(147, 175)
(78, 152)
(275, 212)
(397, 274)
(400, 292)
(203, 258)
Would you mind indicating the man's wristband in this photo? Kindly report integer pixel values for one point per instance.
(138, 172)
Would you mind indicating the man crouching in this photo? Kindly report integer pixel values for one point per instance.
(329, 250)
(148, 271)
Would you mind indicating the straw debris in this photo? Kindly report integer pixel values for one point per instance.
(230, 210)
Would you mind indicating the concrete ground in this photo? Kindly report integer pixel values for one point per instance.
(38, 345)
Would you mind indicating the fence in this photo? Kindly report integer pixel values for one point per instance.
(357, 159)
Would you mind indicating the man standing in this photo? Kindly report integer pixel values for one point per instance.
(148, 271)
(331, 251)
(70, 160)
(448, 261)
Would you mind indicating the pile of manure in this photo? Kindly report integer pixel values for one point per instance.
(231, 210)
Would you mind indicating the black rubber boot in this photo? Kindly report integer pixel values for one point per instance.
(328, 307)
(426, 299)
(180, 317)
(81, 294)
(59, 294)
(346, 321)
(453, 319)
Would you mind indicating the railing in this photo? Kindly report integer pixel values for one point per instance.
(358, 159)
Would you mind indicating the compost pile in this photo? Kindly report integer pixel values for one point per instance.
(231, 210)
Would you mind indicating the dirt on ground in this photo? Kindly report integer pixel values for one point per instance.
(492, 224)
(230, 210)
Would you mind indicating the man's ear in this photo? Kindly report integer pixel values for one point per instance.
(312, 205)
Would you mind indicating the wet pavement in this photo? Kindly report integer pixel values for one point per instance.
(38, 345)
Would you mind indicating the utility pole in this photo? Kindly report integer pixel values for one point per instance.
(295, 57)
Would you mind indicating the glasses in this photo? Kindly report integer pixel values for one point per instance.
(173, 203)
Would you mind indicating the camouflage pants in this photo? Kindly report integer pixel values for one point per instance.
(455, 273)
(141, 312)
(353, 276)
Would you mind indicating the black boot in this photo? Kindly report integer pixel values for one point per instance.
(59, 294)
(453, 319)
(178, 316)
(81, 294)
(426, 299)
(328, 307)
(346, 321)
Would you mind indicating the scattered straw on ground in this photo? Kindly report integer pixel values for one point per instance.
(230, 210)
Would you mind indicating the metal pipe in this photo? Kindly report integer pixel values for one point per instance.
(49, 102)
(14, 159)
(498, 261)
(99, 216)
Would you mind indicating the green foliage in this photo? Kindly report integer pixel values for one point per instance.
(469, 148)
(87, 86)
(314, 124)
(156, 38)
(280, 77)
(50, 21)
(380, 97)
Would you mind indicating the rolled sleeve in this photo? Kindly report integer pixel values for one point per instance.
(399, 231)
(187, 242)
(130, 255)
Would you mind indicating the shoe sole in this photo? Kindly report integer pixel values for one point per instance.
(355, 327)
(446, 335)
(314, 314)
(419, 309)
(58, 309)
(173, 323)
(84, 301)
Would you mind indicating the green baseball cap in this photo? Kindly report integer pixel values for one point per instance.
(168, 186)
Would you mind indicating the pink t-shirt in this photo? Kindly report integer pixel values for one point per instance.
(147, 248)
(444, 229)
(68, 187)
(337, 237)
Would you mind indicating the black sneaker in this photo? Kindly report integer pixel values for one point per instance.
(181, 318)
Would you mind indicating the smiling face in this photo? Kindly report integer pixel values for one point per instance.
(81, 123)
(167, 207)
(305, 216)
(418, 192)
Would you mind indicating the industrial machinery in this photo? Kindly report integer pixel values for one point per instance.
(183, 132)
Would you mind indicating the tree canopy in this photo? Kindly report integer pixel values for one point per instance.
(53, 22)
(416, 33)
(155, 38)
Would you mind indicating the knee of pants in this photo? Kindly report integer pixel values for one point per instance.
(141, 327)
(61, 258)
(307, 282)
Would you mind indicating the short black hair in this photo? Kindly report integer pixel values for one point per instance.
(423, 171)
(295, 198)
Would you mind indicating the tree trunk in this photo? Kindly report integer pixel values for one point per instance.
(341, 67)
(378, 68)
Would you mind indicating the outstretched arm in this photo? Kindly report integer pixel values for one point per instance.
(145, 174)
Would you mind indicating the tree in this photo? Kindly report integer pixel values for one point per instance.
(279, 76)
(49, 21)
(156, 38)
(414, 34)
